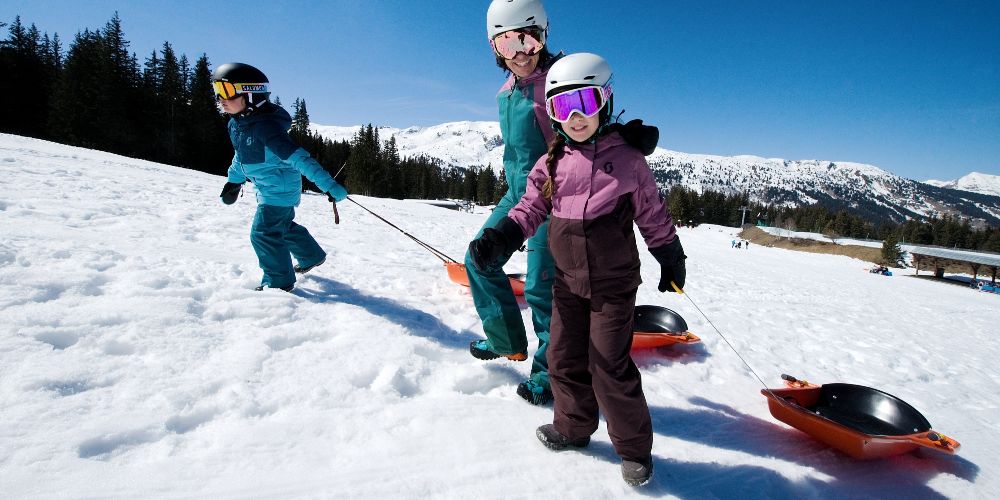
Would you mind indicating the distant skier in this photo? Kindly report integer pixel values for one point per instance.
(594, 182)
(518, 32)
(266, 156)
(734, 243)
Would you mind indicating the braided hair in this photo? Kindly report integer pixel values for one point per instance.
(555, 152)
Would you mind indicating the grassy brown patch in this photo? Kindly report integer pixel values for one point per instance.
(759, 237)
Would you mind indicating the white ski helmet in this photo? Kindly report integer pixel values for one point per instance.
(578, 70)
(506, 15)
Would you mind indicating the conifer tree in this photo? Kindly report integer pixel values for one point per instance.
(485, 185)
(300, 117)
(78, 116)
(891, 251)
(25, 81)
(210, 148)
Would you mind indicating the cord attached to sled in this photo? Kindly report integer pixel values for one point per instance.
(682, 292)
(437, 253)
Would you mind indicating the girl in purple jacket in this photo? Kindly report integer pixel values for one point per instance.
(592, 185)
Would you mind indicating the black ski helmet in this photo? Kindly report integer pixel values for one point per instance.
(246, 80)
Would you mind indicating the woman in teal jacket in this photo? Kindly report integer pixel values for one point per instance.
(517, 31)
(266, 156)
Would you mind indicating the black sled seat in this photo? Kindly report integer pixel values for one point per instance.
(869, 411)
(655, 319)
(655, 326)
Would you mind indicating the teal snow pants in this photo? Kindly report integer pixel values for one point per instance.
(497, 307)
(277, 238)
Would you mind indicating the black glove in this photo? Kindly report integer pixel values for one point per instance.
(495, 243)
(230, 192)
(671, 258)
(639, 136)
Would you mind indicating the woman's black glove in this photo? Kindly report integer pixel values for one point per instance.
(671, 258)
(495, 243)
(230, 192)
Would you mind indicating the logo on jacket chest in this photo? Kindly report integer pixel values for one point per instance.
(608, 168)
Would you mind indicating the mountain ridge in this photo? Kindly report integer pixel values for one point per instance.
(860, 188)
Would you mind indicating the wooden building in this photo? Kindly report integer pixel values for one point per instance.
(937, 258)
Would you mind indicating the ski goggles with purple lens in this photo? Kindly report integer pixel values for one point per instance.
(587, 101)
(509, 43)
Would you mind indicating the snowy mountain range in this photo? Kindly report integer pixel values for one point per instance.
(863, 189)
(975, 182)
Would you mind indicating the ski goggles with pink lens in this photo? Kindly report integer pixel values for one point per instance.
(587, 101)
(509, 43)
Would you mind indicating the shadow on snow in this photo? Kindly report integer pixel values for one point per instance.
(415, 321)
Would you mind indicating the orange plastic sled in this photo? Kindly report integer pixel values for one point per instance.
(658, 326)
(862, 422)
(456, 273)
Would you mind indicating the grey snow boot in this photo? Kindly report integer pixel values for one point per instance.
(637, 473)
(555, 440)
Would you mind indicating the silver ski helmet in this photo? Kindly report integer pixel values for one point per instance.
(507, 15)
(233, 79)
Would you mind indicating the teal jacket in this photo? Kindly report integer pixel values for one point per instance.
(267, 157)
(525, 127)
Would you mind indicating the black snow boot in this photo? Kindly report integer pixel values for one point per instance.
(637, 473)
(555, 440)
(289, 288)
(306, 269)
(534, 393)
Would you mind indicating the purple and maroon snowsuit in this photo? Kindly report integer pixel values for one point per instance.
(601, 188)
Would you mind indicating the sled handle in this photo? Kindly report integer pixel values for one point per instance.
(935, 441)
(791, 381)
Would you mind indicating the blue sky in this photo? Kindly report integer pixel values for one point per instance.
(912, 86)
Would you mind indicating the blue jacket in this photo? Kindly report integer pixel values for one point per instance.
(267, 156)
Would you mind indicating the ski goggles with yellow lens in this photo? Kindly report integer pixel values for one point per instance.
(587, 101)
(509, 43)
(228, 90)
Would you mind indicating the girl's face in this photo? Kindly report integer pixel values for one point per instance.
(233, 106)
(579, 128)
(522, 65)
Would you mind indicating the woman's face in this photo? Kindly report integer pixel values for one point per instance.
(233, 106)
(522, 65)
(579, 128)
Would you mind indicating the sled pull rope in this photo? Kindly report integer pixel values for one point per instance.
(682, 292)
(437, 253)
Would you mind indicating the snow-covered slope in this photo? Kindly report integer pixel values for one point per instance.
(463, 144)
(975, 182)
(136, 361)
(863, 189)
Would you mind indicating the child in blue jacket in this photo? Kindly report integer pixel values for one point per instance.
(266, 156)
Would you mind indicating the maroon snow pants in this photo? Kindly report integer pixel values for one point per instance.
(590, 370)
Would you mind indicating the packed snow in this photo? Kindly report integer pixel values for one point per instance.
(136, 360)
